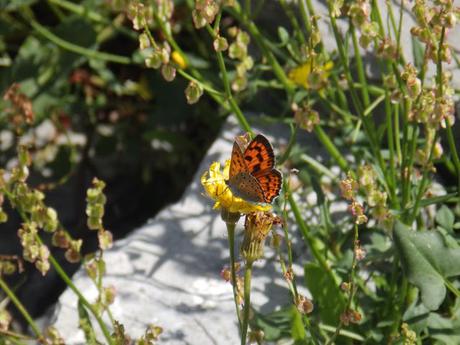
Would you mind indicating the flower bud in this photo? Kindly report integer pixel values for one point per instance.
(237, 50)
(105, 238)
(168, 72)
(72, 254)
(199, 21)
(348, 187)
(108, 295)
(304, 305)
(220, 44)
(144, 41)
(306, 118)
(5, 319)
(193, 92)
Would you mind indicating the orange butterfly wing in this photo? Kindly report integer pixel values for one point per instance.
(270, 182)
(240, 181)
(252, 175)
(259, 156)
(246, 186)
(237, 162)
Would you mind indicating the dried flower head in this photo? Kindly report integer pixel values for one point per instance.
(306, 118)
(256, 228)
(349, 187)
(304, 305)
(20, 111)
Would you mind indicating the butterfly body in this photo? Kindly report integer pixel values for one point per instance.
(252, 174)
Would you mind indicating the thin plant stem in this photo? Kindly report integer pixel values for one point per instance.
(195, 76)
(228, 91)
(11, 295)
(92, 15)
(311, 241)
(360, 68)
(65, 277)
(89, 53)
(290, 278)
(423, 183)
(293, 19)
(82, 298)
(373, 141)
(453, 149)
(260, 41)
(292, 140)
(351, 286)
(231, 247)
(209, 89)
(247, 300)
(331, 148)
(342, 332)
(397, 136)
(14, 337)
(391, 147)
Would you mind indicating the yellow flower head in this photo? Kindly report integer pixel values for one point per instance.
(179, 59)
(214, 184)
(304, 76)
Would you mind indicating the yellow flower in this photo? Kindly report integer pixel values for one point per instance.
(215, 187)
(179, 59)
(303, 75)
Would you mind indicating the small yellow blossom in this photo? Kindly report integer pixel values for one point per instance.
(179, 59)
(303, 75)
(215, 187)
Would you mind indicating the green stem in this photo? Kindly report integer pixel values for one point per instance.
(259, 39)
(317, 166)
(292, 140)
(311, 240)
(293, 19)
(21, 308)
(231, 248)
(397, 136)
(331, 148)
(247, 300)
(360, 68)
(89, 53)
(452, 288)
(391, 147)
(84, 301)
(423, 183)
(92, 15)
(453, 150)
(228, 91)
(352, 285)
(371, 134)
(342, 332)
(399, 306)
(205, 87)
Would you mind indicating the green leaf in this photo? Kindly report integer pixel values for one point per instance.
(274, 325)
(297, 329)
(445, 218)
(327, 297)
(427, 262)
(283, 35)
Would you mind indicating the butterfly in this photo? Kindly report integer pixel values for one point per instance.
(252, 175)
